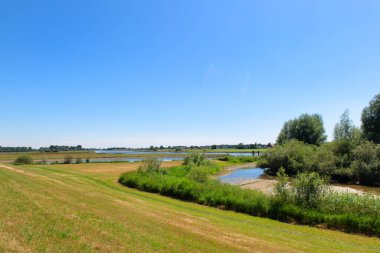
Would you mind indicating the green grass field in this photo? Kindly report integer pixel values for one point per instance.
(81, 208)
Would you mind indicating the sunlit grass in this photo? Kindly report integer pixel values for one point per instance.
(80, 208)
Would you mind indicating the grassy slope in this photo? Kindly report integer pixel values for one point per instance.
(80, 208)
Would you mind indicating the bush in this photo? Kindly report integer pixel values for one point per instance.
(68, 159)
(78, 160)
(23, 159)
(198, 173)
(343, 149)
(281, 188)
(309, 189)
(293, 156)
(327, 160)
(196, 158)
(366, 165)
(151, 165)
(44, 161)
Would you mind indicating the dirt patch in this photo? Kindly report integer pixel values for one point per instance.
(263, 185)
(346, 189)
(267, 186)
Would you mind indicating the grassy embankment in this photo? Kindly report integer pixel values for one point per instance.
(304, 205)
(81, 208)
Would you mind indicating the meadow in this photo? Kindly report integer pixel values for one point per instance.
(82, 208)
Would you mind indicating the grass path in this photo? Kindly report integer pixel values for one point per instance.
(81, 208)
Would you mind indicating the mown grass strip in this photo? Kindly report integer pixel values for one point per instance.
(250, 202)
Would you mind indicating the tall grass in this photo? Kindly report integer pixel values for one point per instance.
(332, 211)
(211, 193)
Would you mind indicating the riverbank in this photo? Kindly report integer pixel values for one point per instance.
(266, 184)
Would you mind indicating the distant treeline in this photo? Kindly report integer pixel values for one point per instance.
(243, 146)
(57, 148)
(221, 146)
(52, 148)
(15, 149)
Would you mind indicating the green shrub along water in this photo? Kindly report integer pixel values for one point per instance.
(342, 161)
(305, 201)
(196, 159)
(151, 165)
(23, 159)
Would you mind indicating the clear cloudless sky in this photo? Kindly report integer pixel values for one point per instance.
(140, 73)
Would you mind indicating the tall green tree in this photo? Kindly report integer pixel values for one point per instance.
(306, 128)
(371, 120)
(345, 130)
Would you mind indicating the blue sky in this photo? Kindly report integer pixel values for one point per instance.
(140, 73)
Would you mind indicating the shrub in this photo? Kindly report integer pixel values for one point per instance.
(293, 156)
(23, 159)
(68, 159)
(366, 165)
(343, 151)
(198, 173)
(196, 158)
(309, 189)
(44, 161)
(151, 165)
(78, 160)
(281, 188)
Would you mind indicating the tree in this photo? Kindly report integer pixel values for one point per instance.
(371, 120)
(345, 130)
(240, 146)
(306, 128)
(366, 165)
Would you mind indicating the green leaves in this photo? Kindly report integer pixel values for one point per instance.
(371, 120)
(306, 128)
